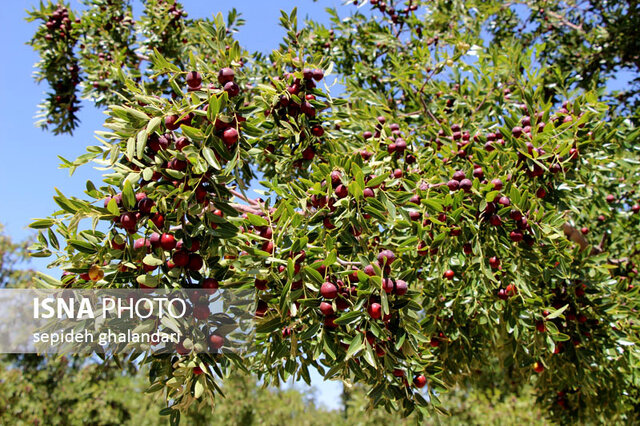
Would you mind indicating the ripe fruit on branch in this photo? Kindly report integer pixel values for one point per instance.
(180, 258)
(145, 204)
(201, 312)
(178, 165)
(494, 262)
(216, 341)
(128, 221)
(171, 122)
(375, 310)
(516, 236)
(194, 79)
(182, 143)
(449, 274)
(230, 137)
(465, 185)
(326, 308)
(369, 270)
(232, 89)
(210, 284)
(329, 321)
(261, 308)
(225, 75)
(167, 242)
(195, 262)
(495, 220)
(401, 287)
(142, 243)
(329, 290)
(538, 367)
(261, 284)
(318, 74)
(420, 381)
(268, 247)
(458, 175)
(386, 257)
(497, 184)
(341, 191)
(387, 285)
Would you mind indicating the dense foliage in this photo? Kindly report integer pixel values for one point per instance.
(463, 213)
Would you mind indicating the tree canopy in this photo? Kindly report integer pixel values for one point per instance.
(459, 208)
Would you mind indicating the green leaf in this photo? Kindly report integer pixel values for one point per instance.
(112, 206)
(349, 317)
(153, 124)
(141, 143)
(313, 274)
(41, 224)
(356, 345)
(210, 156)
(257, 220)
(368, 356)
(83, 246)
(376, 181)
(128, 196)
(332, 257)
(557, 313)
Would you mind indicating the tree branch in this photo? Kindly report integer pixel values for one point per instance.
(245, 209)
(245, 198)
(347, 263)
(564, 21)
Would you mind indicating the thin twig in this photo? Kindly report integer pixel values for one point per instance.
(347, 263)
(243, 197)
(245, 209)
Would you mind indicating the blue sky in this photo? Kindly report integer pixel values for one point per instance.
(29, 164)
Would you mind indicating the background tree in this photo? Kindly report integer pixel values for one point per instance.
(463, 214)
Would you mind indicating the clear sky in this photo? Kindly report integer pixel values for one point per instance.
(28, 156)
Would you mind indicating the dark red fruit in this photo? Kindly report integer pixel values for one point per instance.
(171, 122)
(401, 287)
(261, 284)
(210, 284)
(232, 89)
(225, 75)
(167, 242)
(387, 285)
(341, 191)
(261, 308)
(329, 290)
(375, 310)
(194, 80)
(180, 258)
(386, 257)
(465, 185)
(182, 143)
(326, 308)
(420, 381)
(201, 312)
(216, 341)
(230, 136)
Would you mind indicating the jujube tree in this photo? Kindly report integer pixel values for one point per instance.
(462, 213)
